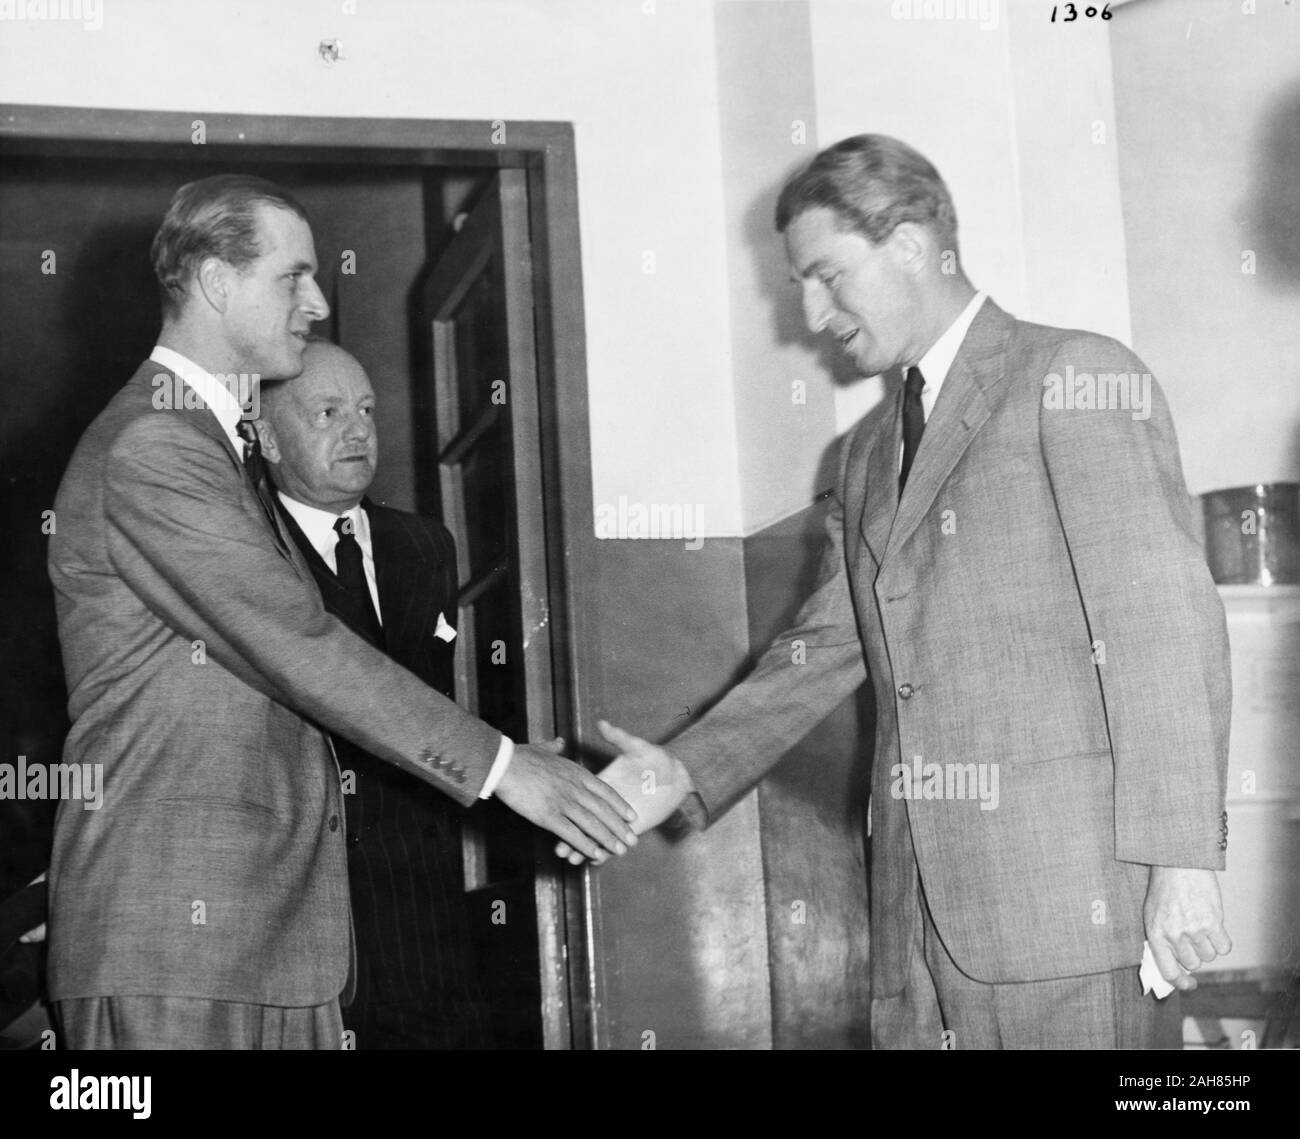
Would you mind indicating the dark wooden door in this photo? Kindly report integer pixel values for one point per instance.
(476, 315)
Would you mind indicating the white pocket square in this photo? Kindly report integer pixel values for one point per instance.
(444, 632)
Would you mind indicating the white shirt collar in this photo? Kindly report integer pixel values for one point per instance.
(318, 525)
(214, 394)
(937, 362)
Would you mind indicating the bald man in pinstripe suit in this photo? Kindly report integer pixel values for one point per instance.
(391, 576)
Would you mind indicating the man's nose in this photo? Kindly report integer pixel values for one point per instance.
(816, 310)
(313, 303)
(358, 427)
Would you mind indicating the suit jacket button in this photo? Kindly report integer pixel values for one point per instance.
(905, 691)
(334, 822)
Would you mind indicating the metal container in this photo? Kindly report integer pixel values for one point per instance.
(1252, 534)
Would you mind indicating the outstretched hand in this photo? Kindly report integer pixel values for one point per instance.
(567, 800)
(644, 775)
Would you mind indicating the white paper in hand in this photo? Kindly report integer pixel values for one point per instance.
(1152, 979)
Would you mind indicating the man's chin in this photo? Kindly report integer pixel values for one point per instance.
(357, 482)
(859, 363)
(288, 366)
(866, 368)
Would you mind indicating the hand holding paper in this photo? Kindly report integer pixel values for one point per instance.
(1150, 976)
(1183, 915)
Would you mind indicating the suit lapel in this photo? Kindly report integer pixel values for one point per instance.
(970, 391)
(337, 599)
(205, 420)
(879, 475)
(407, 582)
(201, 417)
(266, 497)
(314, 561)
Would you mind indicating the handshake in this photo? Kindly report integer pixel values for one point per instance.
(595, 816)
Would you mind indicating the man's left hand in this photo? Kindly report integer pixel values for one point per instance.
(1183, 915)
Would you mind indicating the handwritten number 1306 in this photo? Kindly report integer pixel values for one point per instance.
(1072, 13)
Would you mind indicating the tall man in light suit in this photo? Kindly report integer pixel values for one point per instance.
(390, 576)
(206, 903)
(1018, 573)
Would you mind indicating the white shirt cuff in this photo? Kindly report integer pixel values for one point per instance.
(505, 753)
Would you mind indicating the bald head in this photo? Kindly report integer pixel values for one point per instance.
(318, 430)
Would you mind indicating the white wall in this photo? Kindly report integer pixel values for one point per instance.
(1015, 112)
(784, 404)
(1209, 102)
(1003, 106)
(683, 112)
(636, 78)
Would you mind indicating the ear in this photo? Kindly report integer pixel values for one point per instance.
(213, 281)
(266, 436)
(912, 246)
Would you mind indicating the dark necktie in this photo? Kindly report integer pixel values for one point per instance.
(913, 423)
(352, 573)
(253, 462)
(255, 471)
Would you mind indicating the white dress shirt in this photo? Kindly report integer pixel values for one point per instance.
(212, 391)
(318, 526)
(937, 362)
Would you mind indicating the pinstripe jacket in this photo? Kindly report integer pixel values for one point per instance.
(418, 984)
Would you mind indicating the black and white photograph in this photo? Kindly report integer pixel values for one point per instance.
(651, 525)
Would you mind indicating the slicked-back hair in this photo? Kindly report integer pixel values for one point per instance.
(213, 217)
(874, 183)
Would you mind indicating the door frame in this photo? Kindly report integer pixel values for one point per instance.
(545, 150)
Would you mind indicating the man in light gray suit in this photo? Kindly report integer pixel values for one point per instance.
(206, 903)
(1012, 560)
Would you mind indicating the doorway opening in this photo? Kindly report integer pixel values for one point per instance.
(440, 245)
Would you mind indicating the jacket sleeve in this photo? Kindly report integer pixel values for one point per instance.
(187, 535)
(1154, 615)
(798, 681)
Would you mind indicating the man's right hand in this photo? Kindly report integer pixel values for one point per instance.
(568, 801)
(644, 775)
